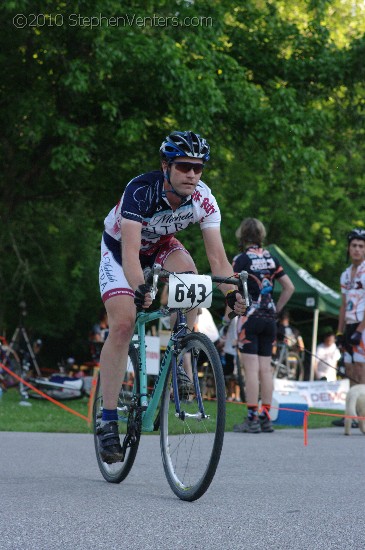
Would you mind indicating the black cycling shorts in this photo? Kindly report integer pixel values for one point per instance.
(257, 336)
(228, 366)
(349, 348)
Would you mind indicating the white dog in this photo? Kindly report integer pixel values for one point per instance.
(355, 406)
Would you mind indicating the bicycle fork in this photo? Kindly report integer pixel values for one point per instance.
(176, 365)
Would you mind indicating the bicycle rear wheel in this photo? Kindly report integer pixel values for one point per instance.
(115, 473)
(191, 444)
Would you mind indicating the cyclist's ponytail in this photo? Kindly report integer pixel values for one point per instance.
(250, 231)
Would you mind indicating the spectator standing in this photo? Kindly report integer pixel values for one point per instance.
(351, 321)
(101, 329)
(98, 335)
(327, 357)
(289, 334)
(257, 330)
(229, 359)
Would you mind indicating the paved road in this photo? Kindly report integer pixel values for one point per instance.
(270, 491)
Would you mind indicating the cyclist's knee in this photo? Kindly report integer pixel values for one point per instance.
(180, 261)
(121, 330)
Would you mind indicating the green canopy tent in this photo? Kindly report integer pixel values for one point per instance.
(310, 294)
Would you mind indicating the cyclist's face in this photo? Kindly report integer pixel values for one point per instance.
(184, 182)
(357, 250)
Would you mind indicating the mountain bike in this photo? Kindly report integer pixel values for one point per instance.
(287, 363)
(191, 423)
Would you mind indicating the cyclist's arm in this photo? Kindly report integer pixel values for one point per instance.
(131, 245)
(300, 343)
(217, 257)
(286, 292)
(361, 326)
(341, 316)
(219, 263)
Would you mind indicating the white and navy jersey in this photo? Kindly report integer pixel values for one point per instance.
(144, 201)
(354, 290)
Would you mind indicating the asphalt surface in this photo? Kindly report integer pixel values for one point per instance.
(270, 491)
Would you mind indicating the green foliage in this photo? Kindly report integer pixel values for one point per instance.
(276, 86)
(44, 416)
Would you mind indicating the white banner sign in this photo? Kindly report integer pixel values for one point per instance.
(152, 355)
(318, 394)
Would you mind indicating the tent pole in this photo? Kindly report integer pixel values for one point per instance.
(314, 342)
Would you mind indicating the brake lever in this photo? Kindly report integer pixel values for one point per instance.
(156, 270)
(243, 278)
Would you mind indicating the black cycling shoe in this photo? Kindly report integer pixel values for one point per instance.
(110, 448)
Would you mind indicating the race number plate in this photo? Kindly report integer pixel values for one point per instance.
(189, 290)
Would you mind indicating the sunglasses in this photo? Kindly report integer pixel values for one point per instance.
(185, 167)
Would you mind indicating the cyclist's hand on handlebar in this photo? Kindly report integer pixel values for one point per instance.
(142, 297)
(235, 301)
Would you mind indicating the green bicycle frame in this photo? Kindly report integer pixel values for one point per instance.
(150, 406)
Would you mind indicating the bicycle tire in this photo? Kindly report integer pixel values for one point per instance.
(191, 447)
(117, 472)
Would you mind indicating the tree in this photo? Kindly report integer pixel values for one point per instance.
(276, 86)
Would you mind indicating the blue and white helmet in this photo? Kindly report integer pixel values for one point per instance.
(356, 234)
(185, 144)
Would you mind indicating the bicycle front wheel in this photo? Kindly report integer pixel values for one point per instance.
(191, 444)
(115, 473)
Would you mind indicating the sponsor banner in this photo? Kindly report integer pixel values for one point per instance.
(318, 394)
(152, 355)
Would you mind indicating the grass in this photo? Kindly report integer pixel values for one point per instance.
(44, 416)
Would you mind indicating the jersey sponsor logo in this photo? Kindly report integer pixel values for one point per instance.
(205, 203)
(259, 264)
(166, 224)
(107, 269)
(171, 218)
